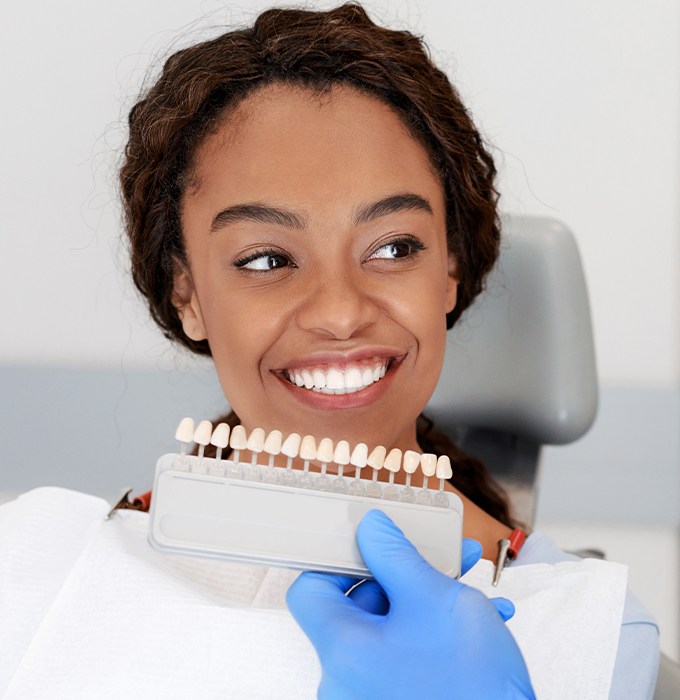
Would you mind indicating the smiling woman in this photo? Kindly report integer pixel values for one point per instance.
(334, 277)
(308, 202)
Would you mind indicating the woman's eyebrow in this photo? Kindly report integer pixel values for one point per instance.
(266, 214)
(259, 213)
(391, 204)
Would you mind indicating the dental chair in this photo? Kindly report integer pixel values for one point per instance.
(520, 370)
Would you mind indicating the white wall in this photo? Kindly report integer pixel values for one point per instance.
(580, 99)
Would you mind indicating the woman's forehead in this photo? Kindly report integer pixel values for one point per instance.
(290, 139)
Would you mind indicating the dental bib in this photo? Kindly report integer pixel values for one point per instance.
(91, 611)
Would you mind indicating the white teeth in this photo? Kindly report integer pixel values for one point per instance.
(308, 378)
(334, 380)
(353, 379)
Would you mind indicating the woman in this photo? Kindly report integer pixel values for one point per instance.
(309, 202)
(269, 282)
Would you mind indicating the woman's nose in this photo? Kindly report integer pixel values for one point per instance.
(338, 307)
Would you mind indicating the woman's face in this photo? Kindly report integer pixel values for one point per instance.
(315, 232)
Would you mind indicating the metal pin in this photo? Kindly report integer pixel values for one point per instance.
(141, 502)
(123, 502)
(508, 549)
(503, 548)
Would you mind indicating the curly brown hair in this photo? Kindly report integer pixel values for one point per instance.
(199, 86)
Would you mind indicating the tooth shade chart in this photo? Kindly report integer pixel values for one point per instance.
(322, 455)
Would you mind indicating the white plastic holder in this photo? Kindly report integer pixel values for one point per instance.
(266, 523)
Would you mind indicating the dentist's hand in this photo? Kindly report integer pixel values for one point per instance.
(414, 633)
(369, 594)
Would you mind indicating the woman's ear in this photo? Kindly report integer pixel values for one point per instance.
(452, 285)
(185, 300)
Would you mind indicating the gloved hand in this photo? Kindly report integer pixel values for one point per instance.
(437, 639)
(369, 594)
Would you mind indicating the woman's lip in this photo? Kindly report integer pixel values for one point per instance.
(342, 359)
(357, 399)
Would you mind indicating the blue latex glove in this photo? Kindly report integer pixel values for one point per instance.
(438, 638)
(369, 594)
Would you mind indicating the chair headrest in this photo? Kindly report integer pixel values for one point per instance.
(521, 359)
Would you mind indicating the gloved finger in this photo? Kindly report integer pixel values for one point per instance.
(472, 553)
(317, 599)
(370, 596)
(395, 563)
(505, 607)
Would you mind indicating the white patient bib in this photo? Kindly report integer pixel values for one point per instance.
(89, 610)
(567, 622)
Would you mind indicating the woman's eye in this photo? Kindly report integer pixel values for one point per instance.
(397, 249)
(262, 262)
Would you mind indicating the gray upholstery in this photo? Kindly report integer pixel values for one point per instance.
(520, 364)
(521, 359)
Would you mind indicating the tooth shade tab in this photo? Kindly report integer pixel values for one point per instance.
(341, 454)
(308, 448)
(444, 470)
(308, 476)
(272, 445)
(256, 440)
(324, 452)
(291, 445)
(393, 460)
(238, 439)
(359, 456)
(185, 431)
(203, 433)
(377, 458)
(220, 436)
(411, 461)
(428, 463)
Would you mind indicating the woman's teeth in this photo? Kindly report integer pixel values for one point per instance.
(336, 380)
